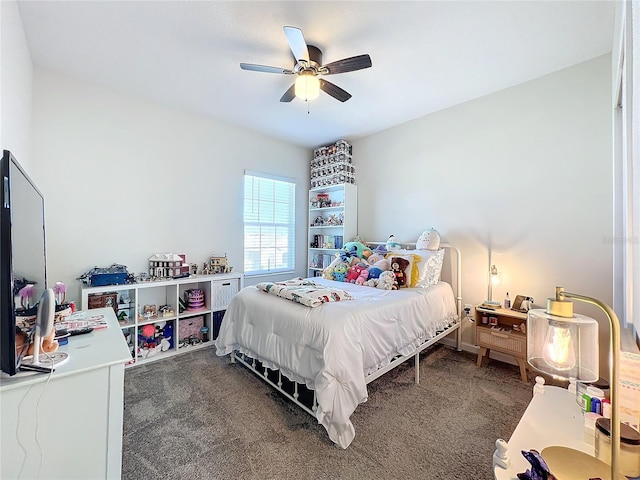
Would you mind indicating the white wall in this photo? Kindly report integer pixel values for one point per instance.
(16, 72)
(523, 175)
(124, 178)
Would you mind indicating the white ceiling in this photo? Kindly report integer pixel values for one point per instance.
(426, 55)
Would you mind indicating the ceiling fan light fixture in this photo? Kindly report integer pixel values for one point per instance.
(307, 86)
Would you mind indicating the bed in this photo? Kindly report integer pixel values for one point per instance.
(323, 358)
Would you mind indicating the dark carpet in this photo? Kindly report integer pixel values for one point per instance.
(196, 416)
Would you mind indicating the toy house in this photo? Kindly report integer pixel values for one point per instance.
(217, 265)
(164, 265)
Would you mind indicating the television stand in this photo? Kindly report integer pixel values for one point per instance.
(67, 424)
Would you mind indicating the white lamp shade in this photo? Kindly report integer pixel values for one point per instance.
(563, 347)
(307, 86)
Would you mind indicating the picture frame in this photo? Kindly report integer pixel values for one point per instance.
(522, 303)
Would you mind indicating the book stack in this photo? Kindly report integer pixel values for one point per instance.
(328, 241)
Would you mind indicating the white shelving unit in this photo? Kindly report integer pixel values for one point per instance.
(330, 225)
(182, 325)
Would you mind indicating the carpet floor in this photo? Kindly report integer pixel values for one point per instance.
(196, 416)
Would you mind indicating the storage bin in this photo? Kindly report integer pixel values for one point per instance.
(222, 293)
(189, 327)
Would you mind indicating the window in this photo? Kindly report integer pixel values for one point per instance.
(269, 224)
(626, 242)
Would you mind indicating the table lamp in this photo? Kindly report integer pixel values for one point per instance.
(494, 279)
(565, 345)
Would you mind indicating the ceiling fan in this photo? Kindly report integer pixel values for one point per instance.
(309, 69)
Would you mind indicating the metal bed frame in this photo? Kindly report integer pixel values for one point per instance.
(305, 398)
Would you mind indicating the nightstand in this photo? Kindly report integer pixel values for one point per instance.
(499, 329)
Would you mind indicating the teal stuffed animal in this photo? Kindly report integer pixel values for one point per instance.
(357, 249)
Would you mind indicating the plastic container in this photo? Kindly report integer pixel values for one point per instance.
(629, 447)
(581, 388)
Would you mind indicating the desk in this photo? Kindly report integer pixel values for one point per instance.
(552, 418)
(69, 426)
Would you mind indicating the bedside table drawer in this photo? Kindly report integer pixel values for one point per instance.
(507, 342)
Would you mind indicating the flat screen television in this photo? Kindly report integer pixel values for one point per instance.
(23, 258)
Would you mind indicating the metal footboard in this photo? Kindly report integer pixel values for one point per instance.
(305, 397)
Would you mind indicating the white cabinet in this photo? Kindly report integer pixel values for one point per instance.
(67, 424)
(333, 221)
(166, 317)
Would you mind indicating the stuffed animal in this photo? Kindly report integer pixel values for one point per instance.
(385, 281)
(371, 282)
(165, 345)
(167, 333)
(428, 240)
(364, 274)
(381, 250)
(327, 273)
(357, 249)
(374, 272)
(398, 266)
(391, 243)
(374, 257)
(383, 264)
(340, 272)
(345, 256)
(353, 274)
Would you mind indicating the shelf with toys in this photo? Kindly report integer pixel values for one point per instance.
(333, 221)
(165, 317)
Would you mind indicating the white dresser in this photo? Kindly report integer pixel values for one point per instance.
(552, 418)
(68, 426)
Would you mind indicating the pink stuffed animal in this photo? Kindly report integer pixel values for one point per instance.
(364, 275)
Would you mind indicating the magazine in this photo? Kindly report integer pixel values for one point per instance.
(79, 320)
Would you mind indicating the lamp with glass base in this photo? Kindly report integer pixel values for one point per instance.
(564, 345)
(494, 279)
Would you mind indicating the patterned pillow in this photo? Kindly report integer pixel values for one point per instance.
(430, 267)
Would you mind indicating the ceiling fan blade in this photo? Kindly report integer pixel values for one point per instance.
(348, 64)
(296, 43)
(290, 94)
(334, 90)
(264, 68)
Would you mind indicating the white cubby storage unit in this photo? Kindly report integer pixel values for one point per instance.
(333, 221)
(178, 322)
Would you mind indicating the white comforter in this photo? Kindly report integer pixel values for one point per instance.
(333, 347)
